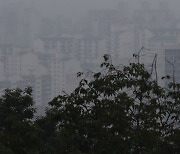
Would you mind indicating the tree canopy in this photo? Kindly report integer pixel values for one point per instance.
(120, 109)
(16, 126)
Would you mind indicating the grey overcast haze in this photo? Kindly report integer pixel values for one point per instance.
(89, 76)
(76, 8)
(44, 43)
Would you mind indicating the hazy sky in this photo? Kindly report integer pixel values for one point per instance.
(76, 8)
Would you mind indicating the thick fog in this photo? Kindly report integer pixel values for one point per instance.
(44, 43)
(76, 8)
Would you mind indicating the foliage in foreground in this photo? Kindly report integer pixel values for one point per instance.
(118, 110)
(17, 133)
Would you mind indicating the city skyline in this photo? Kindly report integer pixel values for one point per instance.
(38, 49)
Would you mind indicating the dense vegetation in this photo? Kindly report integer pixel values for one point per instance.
(118, 110)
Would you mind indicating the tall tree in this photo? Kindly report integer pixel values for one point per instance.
(118, 110)
(17, 132)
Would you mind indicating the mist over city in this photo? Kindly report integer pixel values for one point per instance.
(45, 43)
(89, 76)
